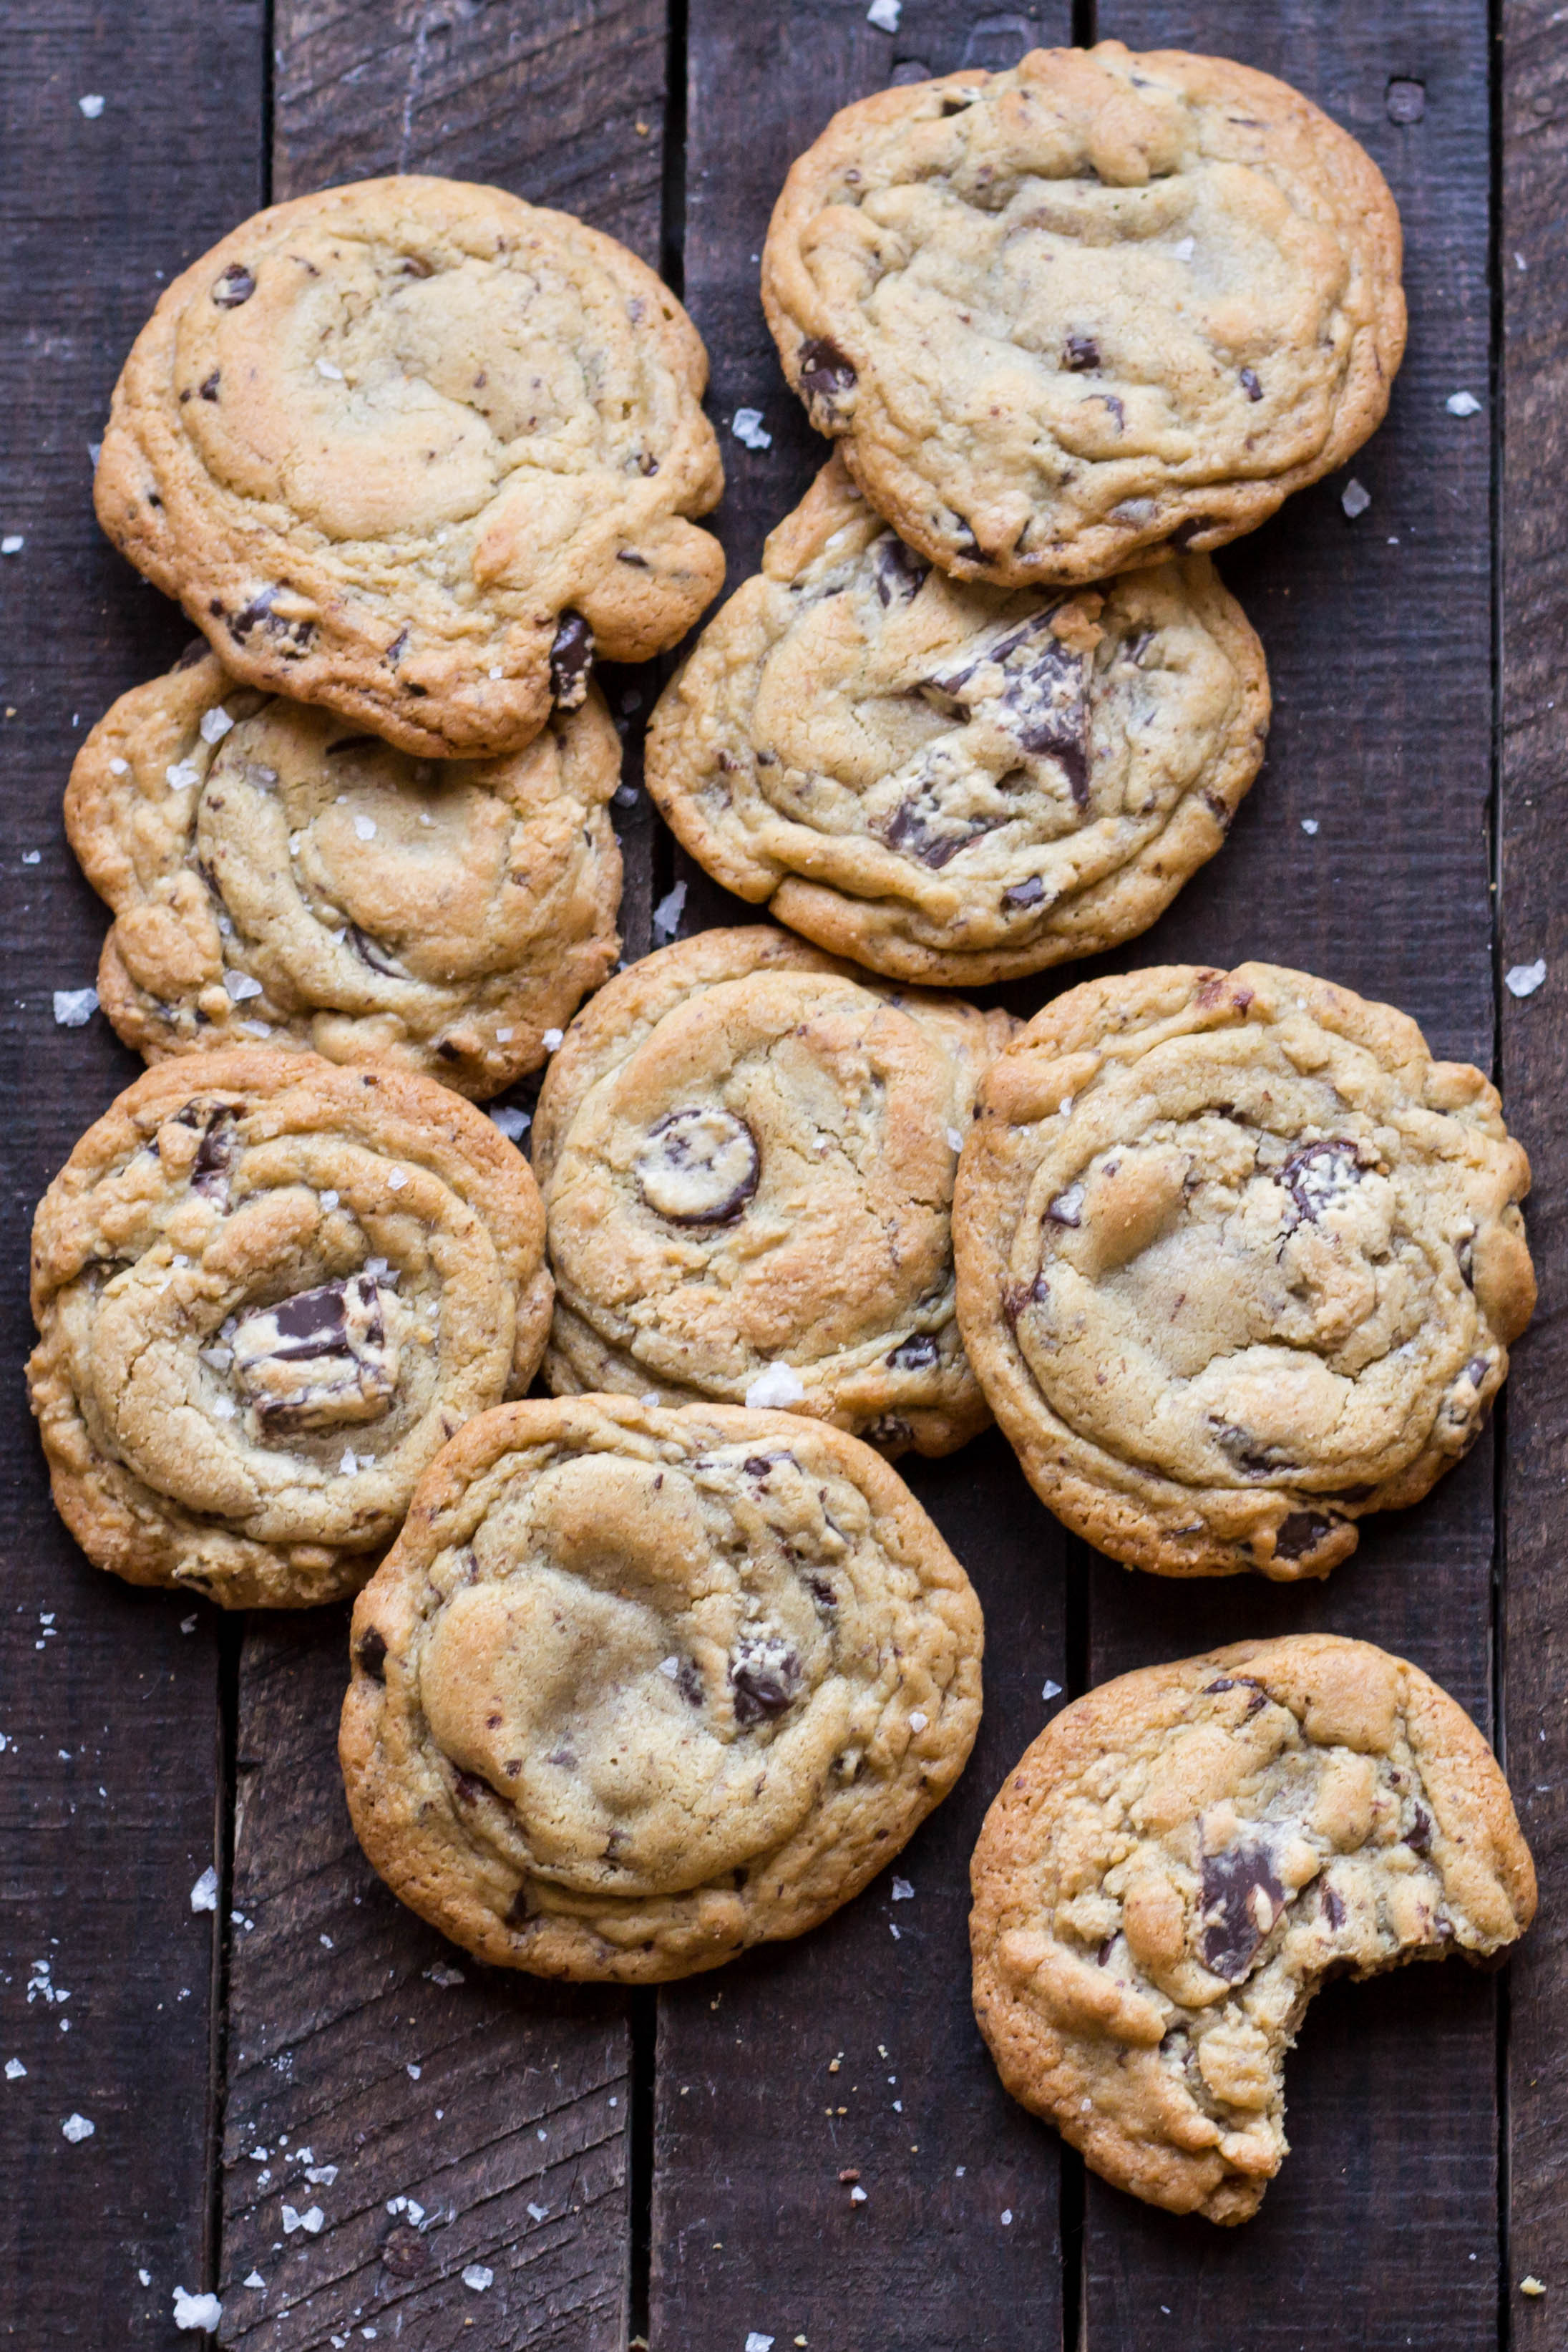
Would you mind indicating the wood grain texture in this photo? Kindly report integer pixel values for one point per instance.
(360, 2038)
(109, 1772)
(564, 104)
(1380, 2229)
(752, 2229)
(1533, 869)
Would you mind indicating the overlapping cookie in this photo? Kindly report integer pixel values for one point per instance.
(1184, 1856)
(1239, 1262)
(955, 784)
(277, 876)
(1077, 315)
(635, 1688)
(267, 1292)
(414, 448)
(747, 1154)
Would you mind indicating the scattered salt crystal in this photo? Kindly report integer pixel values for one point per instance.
(884, 14)
(1065, 1108)
(320, 2175)
(223, 1408)
(1182, 250)
(513, 1124)
(333, 374)
(746, 426)
(74, 1007)
(255, 2279)
(1051, 1690)
(955, 1140)
(755, 2343)
(145, 2277)
(414, 2211)
(183, 776)
(199, 2312)
(778, 1384)
(259, 2156)
(1006, 2217)
(346, 1465)
(538, 2212)
(857, 2196)
(477, 2276)
(396, 1180)
(1524, 979)
(1355, 499)
(78, 2128)
(240, 986)
(505, 1036)
(1309, 824)
(215, 724)
(290, 2221)
(365, 826)
(15, 2069)
(441, 1974)
(32, 857)
(958, 2171)
(296, 844)
(902, 1891)
(894, 1932)
(119, 767)
(326, 1943)
(204, 1894)
(376, 1266)
(551, 1039)
(328, 1199)
(917, 1722)
(413, 2071)
(667, 913)
(92, 105)
(255, 1028)
(670, 1666)
(497, 672)
(13, 544)
(650, 1403)
(310, 2223)
(1463, 404)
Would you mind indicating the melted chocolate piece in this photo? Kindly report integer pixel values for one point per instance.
(210, 388)
(1027, 893)
(371, 951)
(698, 1167)
(917, 827)
(1258, 1461)
(827, 378)
(1043, 700)
(293, 636)
(1334, 1906)
(371, 1654)
(689, 1681)
(764, 1678)
(572, 662)
(214, 1157)
(1080, 352)
(1315, 1172)
(898, 574)
(1419, 1837)
(340, 1327)
(1300, 1533)
(915, 1354)
(236, 286)
(1241, 1900)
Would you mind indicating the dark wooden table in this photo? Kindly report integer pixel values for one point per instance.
(667, 2166)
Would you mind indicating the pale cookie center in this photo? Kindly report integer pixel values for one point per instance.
(323, 1357)
(698, 1167)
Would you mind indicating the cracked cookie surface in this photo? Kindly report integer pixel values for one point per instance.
(277, 876)
(414, 448)
(267, 1292)
(747, 1154)
(1080, 314)
(637, 1688)
(948, 783)
(1239, 1262)
(1185, 1855)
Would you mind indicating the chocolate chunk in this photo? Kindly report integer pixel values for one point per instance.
(821, 1592)
(1066, 1209)
(1220, 810)
(236, 286)
(1258, 1460)
(572, 661)
(214, 1157)
(1334, 1906)
(196, 651)
(1300, 1533)
(756, 1465)
(340, 1330)
(1027, 893)
(1043, 700)
(210, 388)
(1186, 532)
(898, 573)
(520, 1909)
(293, 636)
(372, 952)
(1220, 1683)
(1404, 100)
(958, 102)
(1251, 386)
(405, 2254)
(1418, 1837)
(398, 647)
(698, 1167)
(764, 1677)
(915, 1354)
(918, 827)
(827, 379)
(470, 1788)
(1315, 1174)
(1079, 352)
(890, 1429)
(371, 1654)
(1241, 1900)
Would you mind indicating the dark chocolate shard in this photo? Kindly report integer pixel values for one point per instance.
(919, 828)
(1241, 1900)
(764, 1678)
(293, 637)
(827, 379)
(1043, 698)
(1317, 1174)
(234, 287)
(370, 1656)
(321, 1357)
(699, 1167)
(1027, 893)
(572, 662)
(1300, 1532)
(210, 388)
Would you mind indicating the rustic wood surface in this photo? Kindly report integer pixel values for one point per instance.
(687, 2186)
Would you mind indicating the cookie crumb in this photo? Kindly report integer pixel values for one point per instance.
(1530, 2285)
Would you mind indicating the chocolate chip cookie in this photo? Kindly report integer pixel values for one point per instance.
(955, 784)
(413, 449)
(1184, 1856)
(746, 1155)
(1075, 316)
(275, 874)
(1238, 1263)
(267, 1291)
(635, 1689)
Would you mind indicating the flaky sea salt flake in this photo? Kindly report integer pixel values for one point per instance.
(78, 2128)
(884, 14)
(747, 427)
(91, 106)
(204, 1894)
(200, 2313)
(1463, 404)
(777, 1385)
(1355, 499)
(215, 724)
(477, 2276)
(1524, 979)
(74, 1007)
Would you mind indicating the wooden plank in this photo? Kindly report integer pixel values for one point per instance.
(752, 2229)
(1534, 274)
(522, 2097)
(109, 1775)
(1382, 2229)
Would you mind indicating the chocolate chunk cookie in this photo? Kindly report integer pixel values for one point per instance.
(635, 1689)
(1184, 1856)
(276, 875)
(1237, 1262)
(267, 1291)
(747, 1154)
(955, 784)
(1068, 317)
(415, 450)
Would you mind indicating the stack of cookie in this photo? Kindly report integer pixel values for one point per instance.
(673, 1661)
